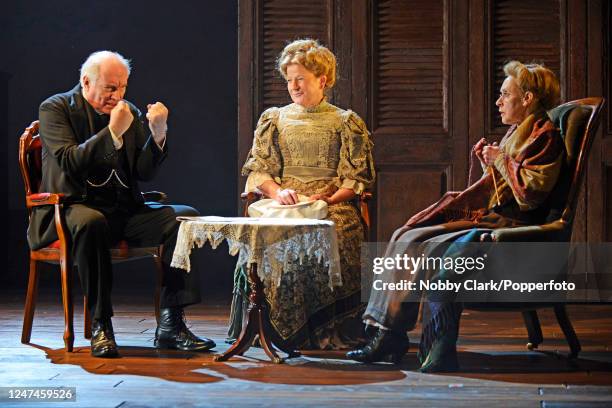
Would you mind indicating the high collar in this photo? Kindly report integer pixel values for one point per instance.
(320, 107)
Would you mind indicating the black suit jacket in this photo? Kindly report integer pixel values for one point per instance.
(71, 151)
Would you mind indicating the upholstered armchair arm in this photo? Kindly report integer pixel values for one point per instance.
(532, 233)
(40, 199)
(156, 196)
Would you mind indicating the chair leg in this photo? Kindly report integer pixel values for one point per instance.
(568, 330)
(87, 319)
(159, 279)
(30, 305)
(66, 271)
(534, 330)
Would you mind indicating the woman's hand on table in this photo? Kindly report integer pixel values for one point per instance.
(285, 196)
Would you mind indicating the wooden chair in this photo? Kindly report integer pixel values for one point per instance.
(578, 121)
(59, 252)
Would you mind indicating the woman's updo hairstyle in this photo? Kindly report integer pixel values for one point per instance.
(537, 79)
(311, 55)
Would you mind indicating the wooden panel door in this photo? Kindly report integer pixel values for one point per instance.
(599, 177)
(418, 105)
(520, 30)
(512, 30)
(265, 27)
(280, 22)
(606, 126)
(425, 75)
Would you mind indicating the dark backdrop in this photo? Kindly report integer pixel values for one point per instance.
(183, 53)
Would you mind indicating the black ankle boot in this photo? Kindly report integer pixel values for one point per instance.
(442, 357)
(385, 345)
(103, 339)
(172, 333)
(441, 333)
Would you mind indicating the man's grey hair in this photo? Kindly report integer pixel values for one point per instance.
(91, 66)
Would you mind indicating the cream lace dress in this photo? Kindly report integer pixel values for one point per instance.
(312, 150)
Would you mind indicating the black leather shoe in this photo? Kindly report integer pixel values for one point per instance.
(103, 339)
(172, 333)
(385, 345)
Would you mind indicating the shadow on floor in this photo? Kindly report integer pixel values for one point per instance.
(201, 368)
(330, 368)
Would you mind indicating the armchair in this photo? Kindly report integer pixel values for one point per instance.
(578, 121)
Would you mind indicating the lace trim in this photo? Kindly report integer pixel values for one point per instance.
(322, 106)
(271, 243)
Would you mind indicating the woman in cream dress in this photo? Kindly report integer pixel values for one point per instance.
(316, 149)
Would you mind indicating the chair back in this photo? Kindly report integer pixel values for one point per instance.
(30, 158)
(578, 121)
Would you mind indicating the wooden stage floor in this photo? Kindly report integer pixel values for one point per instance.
(496, 367)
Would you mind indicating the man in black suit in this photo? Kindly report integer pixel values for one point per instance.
(95, 150)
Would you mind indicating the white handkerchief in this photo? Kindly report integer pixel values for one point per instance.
(269, 208)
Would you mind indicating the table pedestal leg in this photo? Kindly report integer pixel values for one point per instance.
(257, 323)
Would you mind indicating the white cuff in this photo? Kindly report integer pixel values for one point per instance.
(256, 179)
(371, 322)
(117, 140)
(163, 143)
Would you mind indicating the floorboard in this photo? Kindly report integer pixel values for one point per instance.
(496, 368)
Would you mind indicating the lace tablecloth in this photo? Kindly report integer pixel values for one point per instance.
(272, 243)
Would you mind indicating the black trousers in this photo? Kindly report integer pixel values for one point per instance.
(93, 232)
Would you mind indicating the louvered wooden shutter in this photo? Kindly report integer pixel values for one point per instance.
(608, 64)
(410, 108)
(601, 170)
(524, 30)
(283, 21)
(409, 67)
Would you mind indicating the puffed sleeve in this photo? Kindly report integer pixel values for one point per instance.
(264, 161)
(356, 166)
